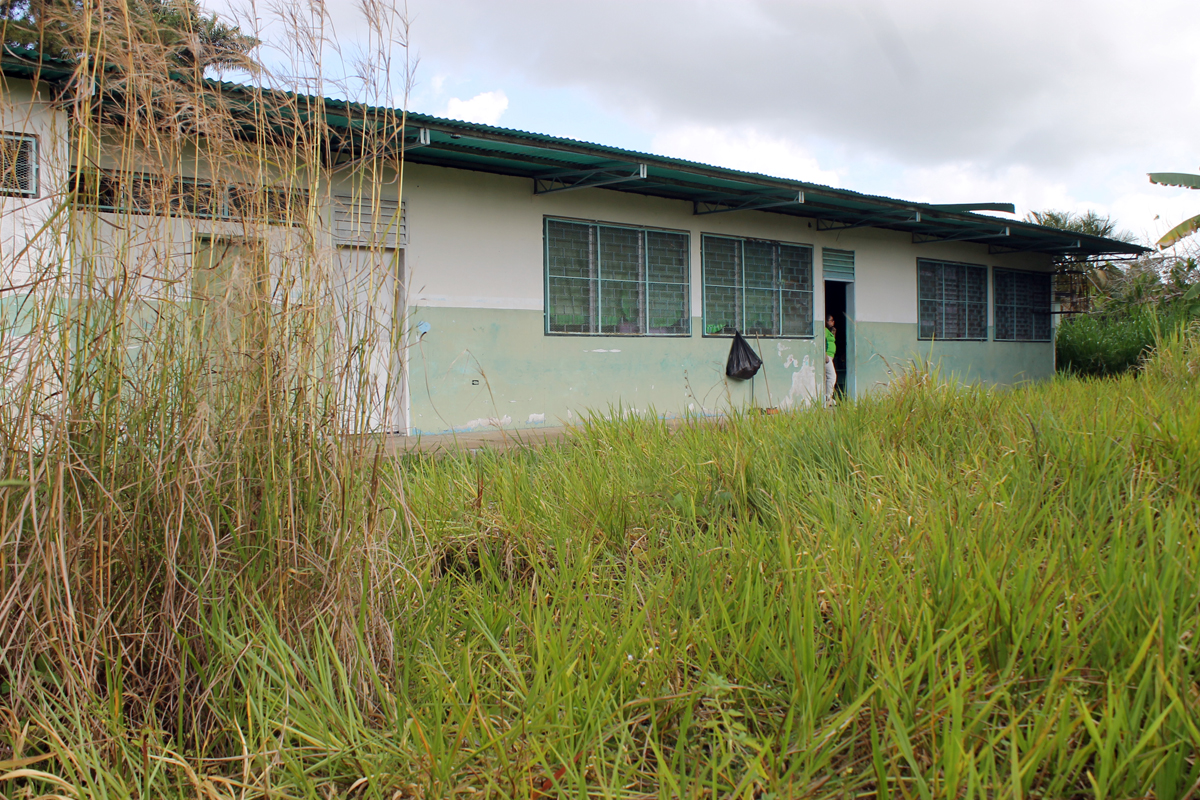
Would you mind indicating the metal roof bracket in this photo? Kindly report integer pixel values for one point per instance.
(423, 139)
(744, 203)
(588, 178)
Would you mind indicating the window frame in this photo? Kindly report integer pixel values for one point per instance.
(36, 191)
(985, 304)
(778, 290)
(645, 281)
(1049, 277)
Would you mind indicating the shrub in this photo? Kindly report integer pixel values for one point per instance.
(1110, 343)
(1104, 344)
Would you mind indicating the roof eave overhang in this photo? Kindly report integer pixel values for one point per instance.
(559, 164)
(462, 145)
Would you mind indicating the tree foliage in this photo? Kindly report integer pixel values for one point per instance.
(1089, 223)
(190, 36)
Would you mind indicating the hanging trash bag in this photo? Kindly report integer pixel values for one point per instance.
(743, 362)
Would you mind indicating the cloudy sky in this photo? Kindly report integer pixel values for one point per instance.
(1046, 104)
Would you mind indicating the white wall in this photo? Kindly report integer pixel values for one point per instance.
(475, 241)
(26, 110)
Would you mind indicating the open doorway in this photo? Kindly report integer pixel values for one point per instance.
(836, 306)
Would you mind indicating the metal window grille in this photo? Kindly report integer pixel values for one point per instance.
(759, 287)
(136, 193)
(268, 204)
(194, 198)
(1023, 311)
(952, 300)
(668, 284)
(139, 193)
(612, 280)
(363, 220)
(18, 165)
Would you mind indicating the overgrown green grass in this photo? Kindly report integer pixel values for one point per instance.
(1117, 341)
(935, 593)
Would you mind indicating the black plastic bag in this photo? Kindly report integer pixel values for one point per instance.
(743, 362)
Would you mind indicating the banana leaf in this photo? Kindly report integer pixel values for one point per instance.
(1184, 179)
(1180, 231)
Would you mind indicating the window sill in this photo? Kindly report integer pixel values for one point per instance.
(752, 336)
(928, 339)
(572, 334)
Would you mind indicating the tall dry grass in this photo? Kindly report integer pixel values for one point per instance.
(188, 376)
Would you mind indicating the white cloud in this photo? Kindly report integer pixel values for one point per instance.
(1047, 105)
(1145, 210)
(747, 150)
(485, 108)
(916, 81)
(1154, 210)
(968, 183)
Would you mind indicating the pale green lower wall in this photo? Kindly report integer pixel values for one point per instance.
(528, 379)
(16, 315)
(883, 347)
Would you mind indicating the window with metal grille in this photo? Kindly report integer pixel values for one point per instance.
(757, 287)
(141, 193)
(952, 300)
(18, 165)
(266, 204)
(610, 279)
(138, 193)
(1023, 306)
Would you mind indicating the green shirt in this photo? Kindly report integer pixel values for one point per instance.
(830, 343)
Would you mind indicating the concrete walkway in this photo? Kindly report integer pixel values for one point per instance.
(503, 440)
(499, 440)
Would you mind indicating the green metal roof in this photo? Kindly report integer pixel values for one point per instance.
(554, 163)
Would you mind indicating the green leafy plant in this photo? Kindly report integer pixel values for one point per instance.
(1104, 344)
(1188, 226)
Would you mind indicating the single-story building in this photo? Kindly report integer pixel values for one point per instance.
(535, 279)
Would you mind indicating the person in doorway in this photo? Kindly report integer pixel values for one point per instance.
(830, 352)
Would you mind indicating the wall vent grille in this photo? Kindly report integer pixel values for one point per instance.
(18, 165)
(837, 265)
(369, 222)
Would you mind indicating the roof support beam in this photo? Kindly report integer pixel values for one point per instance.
(970, 235)
(886, 218)
(588, 178)
(998, 249)
(1008, 208)
(720, 205)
